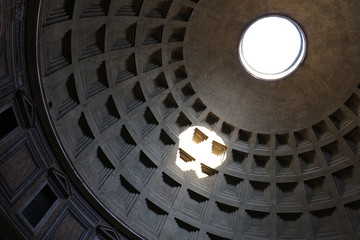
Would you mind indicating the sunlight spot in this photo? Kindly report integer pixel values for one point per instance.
(200, 147)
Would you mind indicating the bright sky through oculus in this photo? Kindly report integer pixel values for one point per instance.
(272, 47)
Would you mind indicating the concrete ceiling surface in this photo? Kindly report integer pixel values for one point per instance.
(121, 80)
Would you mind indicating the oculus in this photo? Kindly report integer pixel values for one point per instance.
(272, 47)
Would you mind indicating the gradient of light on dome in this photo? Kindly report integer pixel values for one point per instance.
(271, 47)
(202, 152)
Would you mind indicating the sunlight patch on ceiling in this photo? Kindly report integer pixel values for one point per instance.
(199, 147)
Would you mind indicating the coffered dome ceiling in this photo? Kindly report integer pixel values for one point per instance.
(122, 80)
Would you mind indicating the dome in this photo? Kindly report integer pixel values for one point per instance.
(152, 128)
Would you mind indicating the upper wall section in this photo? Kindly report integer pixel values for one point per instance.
(323, 82)
(122, 80)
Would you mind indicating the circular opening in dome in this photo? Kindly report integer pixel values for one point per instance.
(272, 47)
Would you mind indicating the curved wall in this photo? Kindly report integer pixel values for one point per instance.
(117, 82)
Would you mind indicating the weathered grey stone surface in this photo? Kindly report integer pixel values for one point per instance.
(115, 83)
